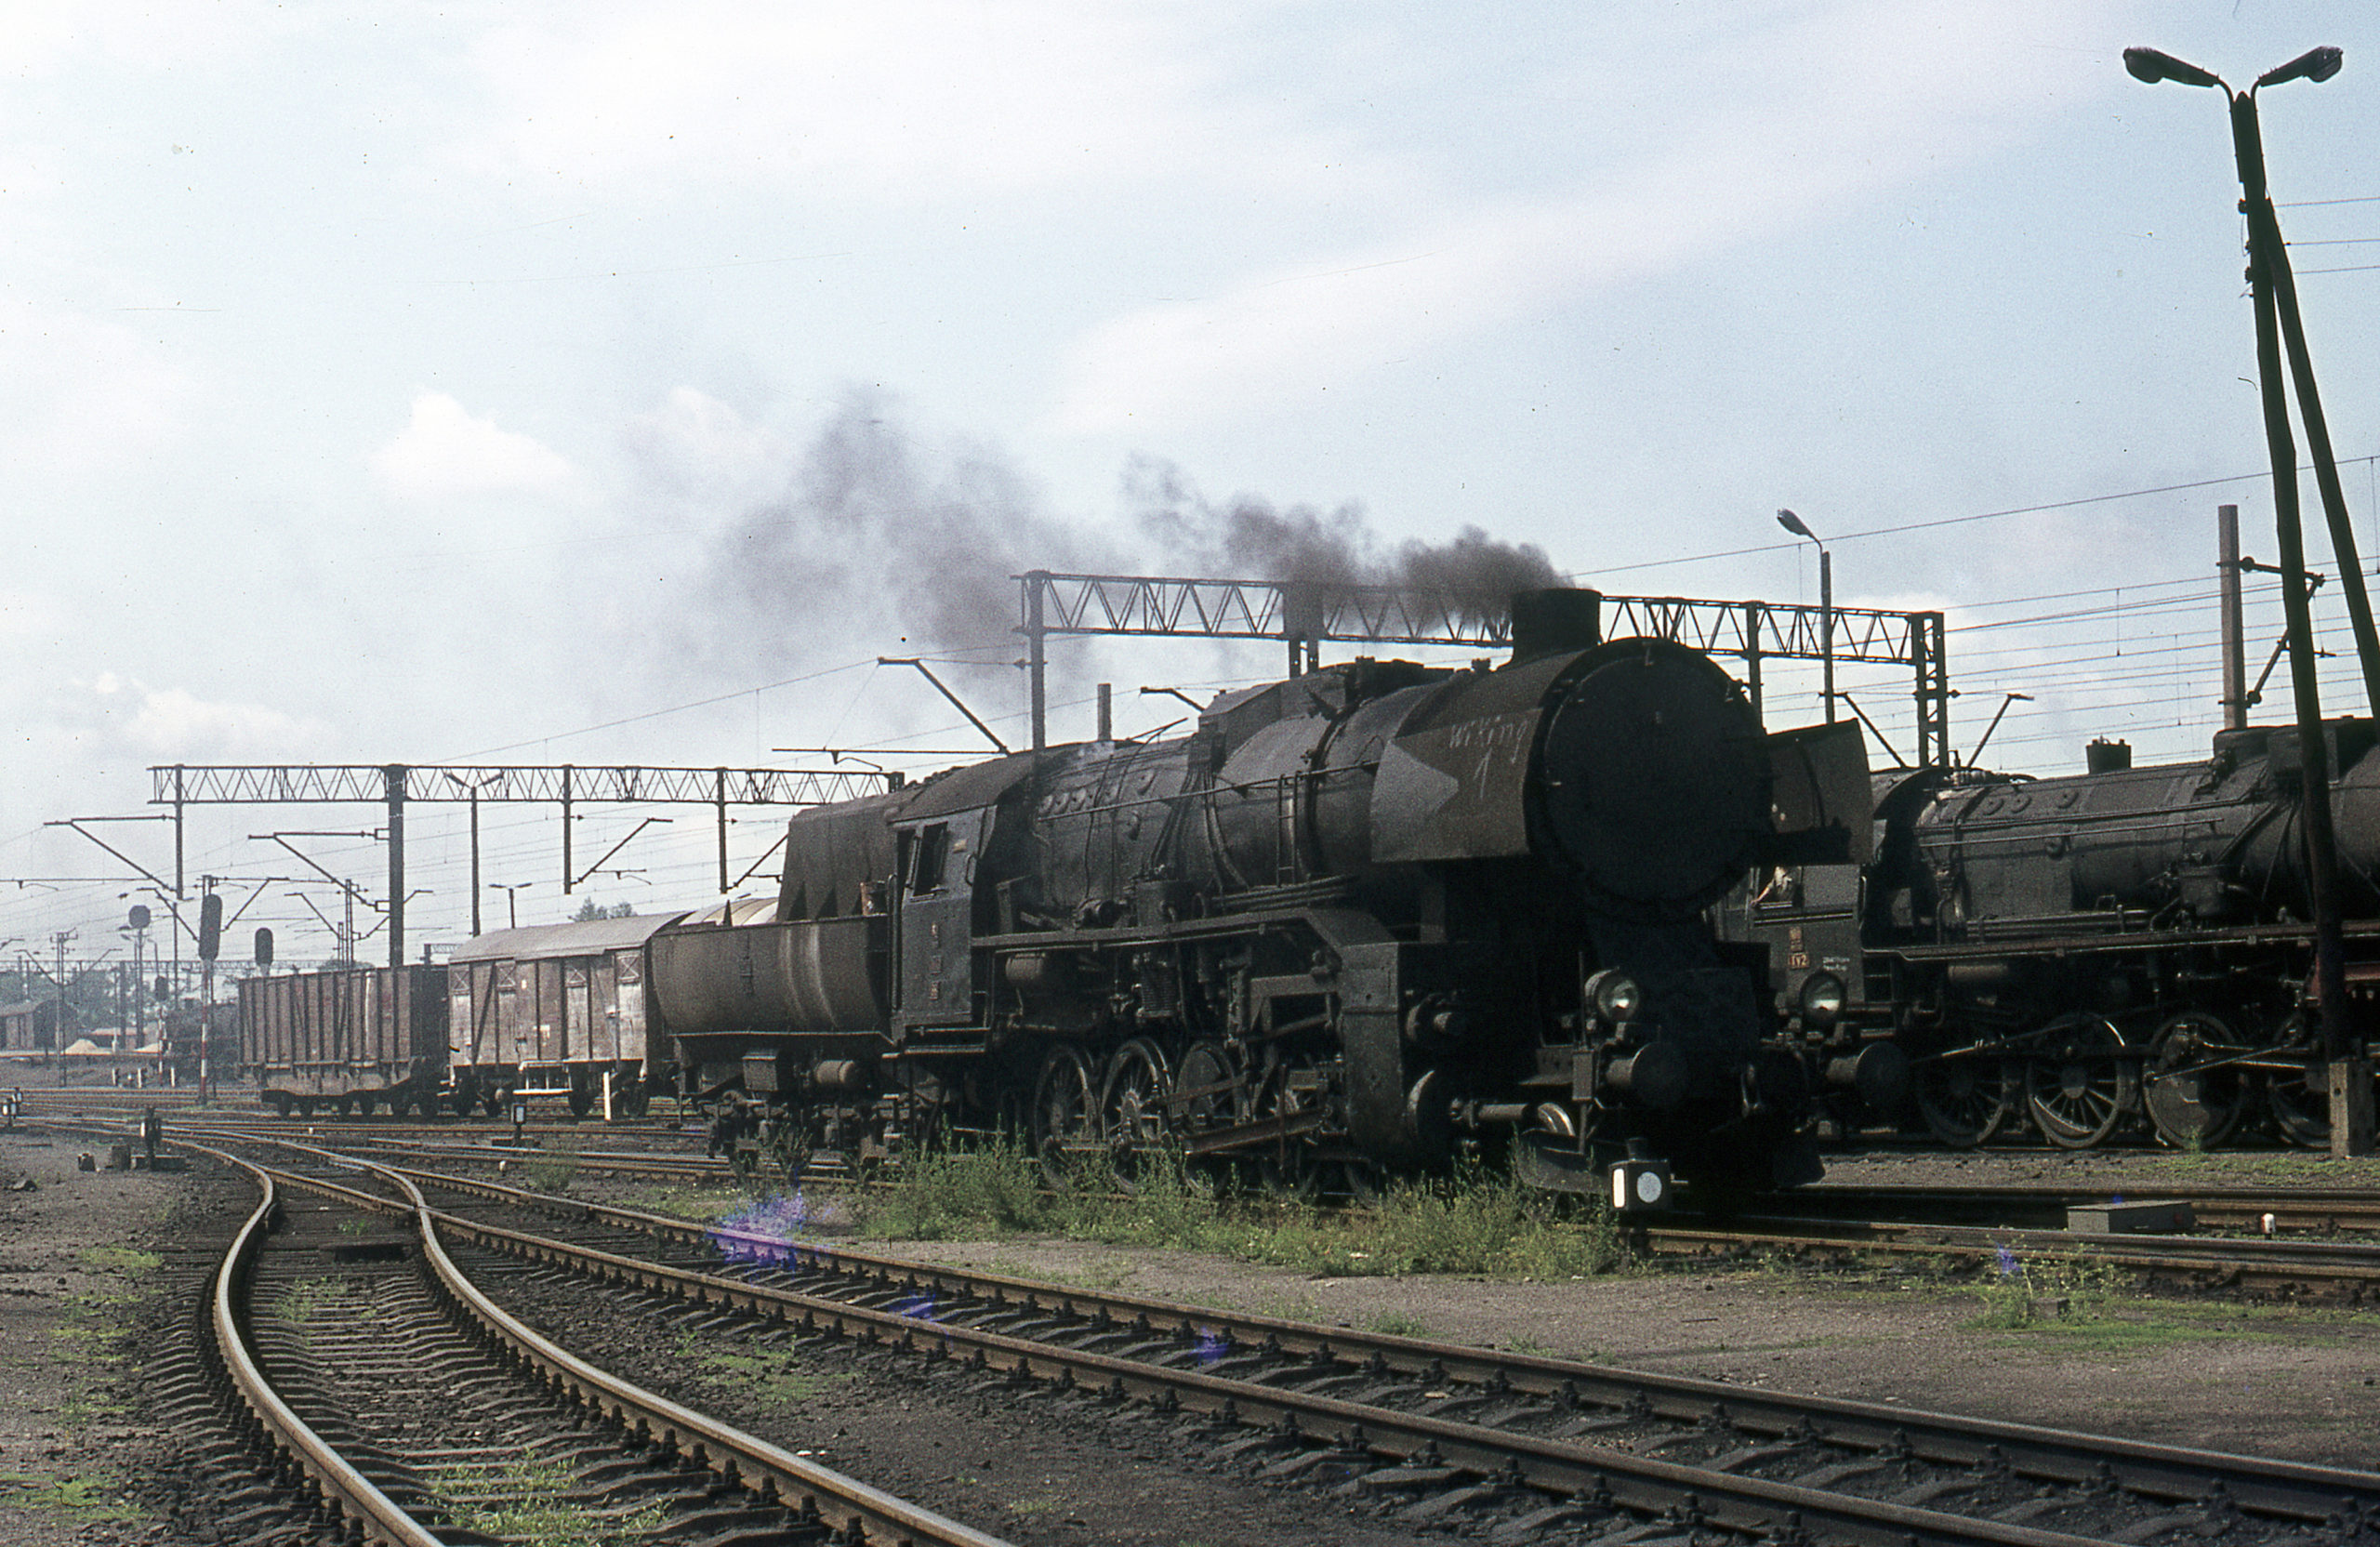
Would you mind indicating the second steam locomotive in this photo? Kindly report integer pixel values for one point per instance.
(2085, 953)
(1353, 922)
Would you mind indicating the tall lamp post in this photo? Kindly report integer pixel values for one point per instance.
(2274, 291)
(1794, 524)
(511, 902)
(473, 791)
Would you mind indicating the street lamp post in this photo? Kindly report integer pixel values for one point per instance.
(1794, 524)
(473, 791)
(511, 903)
(2274, 294)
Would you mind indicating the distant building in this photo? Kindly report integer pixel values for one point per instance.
(29, 1025)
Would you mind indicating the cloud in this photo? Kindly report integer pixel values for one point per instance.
(698, 451)
(1839, 116)
(113, 712)
(82, 395)
(445, 452)
(891, 102)
(29, 615)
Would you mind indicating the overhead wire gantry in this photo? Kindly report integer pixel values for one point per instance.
(398, 785)
(1305, 615)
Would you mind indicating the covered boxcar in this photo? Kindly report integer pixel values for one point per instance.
(555, 1010)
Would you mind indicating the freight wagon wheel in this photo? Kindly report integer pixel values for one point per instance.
(280, 1103)
(2080, 1085)
(2298, 1095)
(582, 1097)
(1065, 1113)
(305, 1107)
(2196, 1091)
(1965, 1101)
(1132, 1109)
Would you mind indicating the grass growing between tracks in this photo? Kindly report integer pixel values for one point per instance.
(776, 1379)
(1475, 1221)
(527, 1499)
(2063, 1308)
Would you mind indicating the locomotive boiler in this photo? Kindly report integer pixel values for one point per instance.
(1351, 923)
(2083, 951)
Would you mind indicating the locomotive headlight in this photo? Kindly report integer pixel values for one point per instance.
(1822, 998)
(1613, 996)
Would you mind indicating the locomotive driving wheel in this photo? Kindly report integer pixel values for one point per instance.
(1065, 1112)
(1289, 1096)
(1210, 1092)
(1132, 1109)
(2298, 1095)
(2080, 1085)
(2194, 1087)
(1308, 1161)
(1965, 1099)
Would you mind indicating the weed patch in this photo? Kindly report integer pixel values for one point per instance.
(776, 1379)
(297, 1306)
(86, 1500)
(552, 1170)
(701, 1205)
(1476, 1222)
(528, 1500)
(120, 1259)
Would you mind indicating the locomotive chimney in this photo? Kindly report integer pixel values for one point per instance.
(1555, 622)
(2107, 757)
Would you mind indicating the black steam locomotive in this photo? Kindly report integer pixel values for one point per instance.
(1351, 923)
(2080, 953)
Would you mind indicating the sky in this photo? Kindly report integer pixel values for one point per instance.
(545, 384)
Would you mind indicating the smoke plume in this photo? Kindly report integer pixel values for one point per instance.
(878, 535)
(870, 533)
(1249, 538)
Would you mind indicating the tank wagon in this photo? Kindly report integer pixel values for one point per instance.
(1352, 921)
(2077, 954)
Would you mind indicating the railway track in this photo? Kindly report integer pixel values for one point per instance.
(2302, 1269)
(420, 1412)
(1513, 1444)
(2267, 1210)
(2305, 1251)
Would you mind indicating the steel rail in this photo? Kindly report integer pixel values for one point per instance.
(2297, 1491)
(1735, 1503)
(344, 1489)
(2172, 1471)
(2292, 1208)
(817, 1492)
(2225, 1262)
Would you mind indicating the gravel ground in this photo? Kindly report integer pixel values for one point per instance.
(79, 1263)
(2301, 1383)
(80, 1467)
